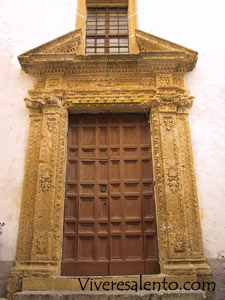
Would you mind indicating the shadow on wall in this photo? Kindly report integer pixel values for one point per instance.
(4, 269)
(5, 266)
(218, 273)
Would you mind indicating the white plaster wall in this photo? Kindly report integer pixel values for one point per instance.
(24, 24)
(200, 25)
(197, 24)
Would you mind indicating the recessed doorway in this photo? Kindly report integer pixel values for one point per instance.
(109, 219)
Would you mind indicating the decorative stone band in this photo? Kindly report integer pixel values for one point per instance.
(170, 96)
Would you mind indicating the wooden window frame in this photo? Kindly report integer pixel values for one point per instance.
(107, 35)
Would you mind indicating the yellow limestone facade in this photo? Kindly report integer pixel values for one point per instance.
(149, 79)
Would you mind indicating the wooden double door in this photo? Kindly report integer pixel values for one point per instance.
(109, 219)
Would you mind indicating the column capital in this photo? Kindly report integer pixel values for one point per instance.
(39, 100)
(172, 99)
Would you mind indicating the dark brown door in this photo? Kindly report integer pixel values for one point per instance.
(109, 221)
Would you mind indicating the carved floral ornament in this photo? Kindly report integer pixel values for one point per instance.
(179, 239)
(51, 124)
(45, 179)
(168, 123)
(42, 243)
(177, 98)
(38, 102)
(173, 183)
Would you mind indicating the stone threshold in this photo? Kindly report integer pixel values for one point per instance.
(112, 295)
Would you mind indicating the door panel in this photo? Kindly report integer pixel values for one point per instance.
(109, 221)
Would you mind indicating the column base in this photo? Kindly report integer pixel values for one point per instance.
(19, 272)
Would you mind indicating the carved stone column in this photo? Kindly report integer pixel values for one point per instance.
(189, 190)
(179, 230)
(25, 232)
(40, 231)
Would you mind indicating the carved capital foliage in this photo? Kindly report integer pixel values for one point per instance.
(32, 104)
(41, 100)
(173, 97)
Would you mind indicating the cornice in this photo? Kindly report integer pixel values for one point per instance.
(156, 62)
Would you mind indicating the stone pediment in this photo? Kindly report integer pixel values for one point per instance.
(67, 43)
(150, 43)
(65, 50)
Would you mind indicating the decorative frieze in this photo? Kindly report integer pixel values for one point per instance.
(164, 80)
(53, 82)
(178, 80)
(40, 83)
